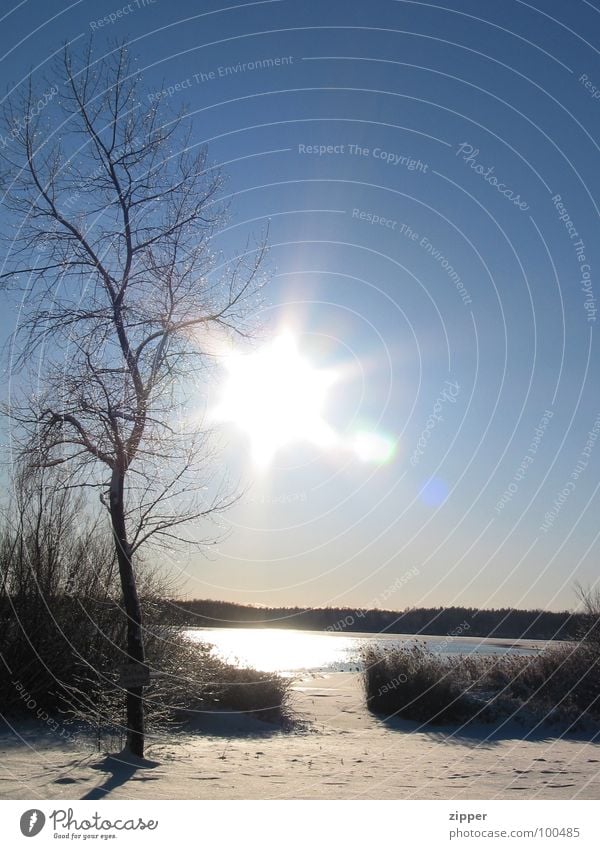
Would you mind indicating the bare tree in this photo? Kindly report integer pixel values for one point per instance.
(589, 605)
(115, 212)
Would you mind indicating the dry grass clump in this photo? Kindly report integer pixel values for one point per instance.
(62, 628)
(560, 685)
(416, 684)
(187, 681)
(190, 678)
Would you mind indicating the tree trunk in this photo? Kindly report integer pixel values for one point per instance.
(135, 639)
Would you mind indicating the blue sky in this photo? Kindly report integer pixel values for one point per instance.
(496, 103)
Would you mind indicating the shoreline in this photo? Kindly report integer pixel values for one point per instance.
(337, 750)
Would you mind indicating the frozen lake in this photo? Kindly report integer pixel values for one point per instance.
(287, 650)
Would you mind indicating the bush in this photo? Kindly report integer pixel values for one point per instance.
(62, 628)
(561, 685)
(60, 618)
(187, 681)
(191, 679)
(415, 683)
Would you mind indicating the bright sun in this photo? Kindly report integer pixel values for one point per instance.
(277, 398)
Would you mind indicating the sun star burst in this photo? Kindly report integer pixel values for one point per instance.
(277, 398)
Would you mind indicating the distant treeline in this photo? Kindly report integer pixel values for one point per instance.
(457, 621)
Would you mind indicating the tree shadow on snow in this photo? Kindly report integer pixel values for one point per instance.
(477, 734)
(119, 770)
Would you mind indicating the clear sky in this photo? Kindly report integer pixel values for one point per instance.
(430, 177)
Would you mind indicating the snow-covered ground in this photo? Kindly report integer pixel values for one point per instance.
(339, 751)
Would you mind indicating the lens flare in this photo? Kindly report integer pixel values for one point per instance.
(434, 492)
(373, 447)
